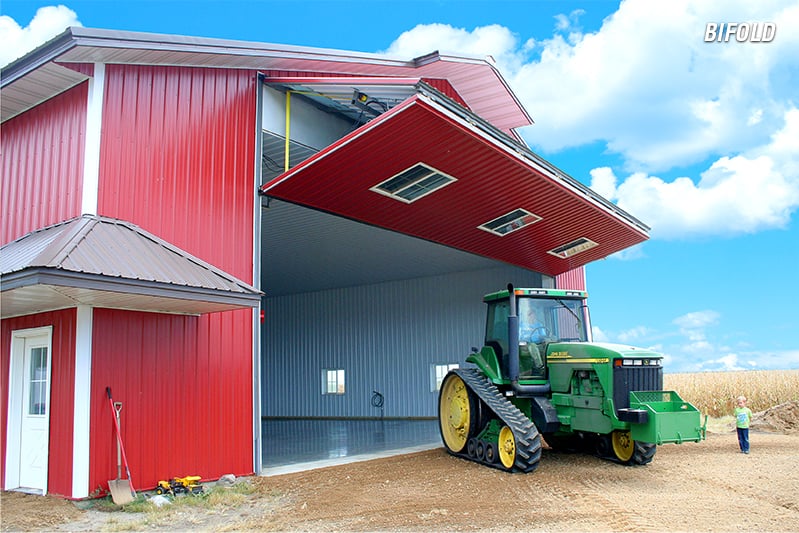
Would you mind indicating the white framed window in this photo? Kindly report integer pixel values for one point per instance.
(333, 381)
(413, 183)
(437, 373)
(510, 222)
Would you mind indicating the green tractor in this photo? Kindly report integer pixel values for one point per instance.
(538, 375)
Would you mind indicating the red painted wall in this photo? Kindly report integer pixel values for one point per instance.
(61, 392)
(185, 384)
(573, 279)
(177, 158)
(42, 164)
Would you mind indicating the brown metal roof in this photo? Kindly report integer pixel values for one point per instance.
(103, 262)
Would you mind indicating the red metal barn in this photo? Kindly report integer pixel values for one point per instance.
(135, 172)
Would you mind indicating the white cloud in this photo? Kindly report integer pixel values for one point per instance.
(697, 319)
(48, 22)
(598, 334)
(494, 40)
(630, 336)
(736, 195)
(648, 86)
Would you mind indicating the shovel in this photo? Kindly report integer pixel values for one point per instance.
(121, 489)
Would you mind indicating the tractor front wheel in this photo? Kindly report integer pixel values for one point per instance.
(457, 413)
(631, 452)
(507, 447)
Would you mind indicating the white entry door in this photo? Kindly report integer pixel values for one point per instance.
(29, 411)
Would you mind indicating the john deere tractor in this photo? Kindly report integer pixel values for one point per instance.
(538, 375)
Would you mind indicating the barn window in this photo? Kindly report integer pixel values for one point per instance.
(575, 247)
(413, 183)
(437, 373)
(333, 381)
(510, 222)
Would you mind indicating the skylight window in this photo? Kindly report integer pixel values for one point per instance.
(413, 183)
(575, 247)
(510, 222)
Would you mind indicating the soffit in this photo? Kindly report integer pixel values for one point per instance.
(493, 176)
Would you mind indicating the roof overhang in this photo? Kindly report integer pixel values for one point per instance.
(476, 80)
(46, 289)
(102, 262)
(492, 175)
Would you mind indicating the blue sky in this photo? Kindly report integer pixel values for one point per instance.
(699, 140)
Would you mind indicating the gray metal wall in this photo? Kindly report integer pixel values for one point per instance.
(385, 336)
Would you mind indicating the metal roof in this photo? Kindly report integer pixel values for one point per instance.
(106, 262)
(493, 175)
(43, 73)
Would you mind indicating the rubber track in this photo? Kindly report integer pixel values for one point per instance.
(528, 440)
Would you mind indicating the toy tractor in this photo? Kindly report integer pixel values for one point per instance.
(538, 375)
(180, 485)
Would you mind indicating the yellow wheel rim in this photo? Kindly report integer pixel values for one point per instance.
(623, 445)
(507, 447)
(454, 413)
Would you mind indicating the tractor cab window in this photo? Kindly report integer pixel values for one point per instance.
(497, 327)
(551, 320)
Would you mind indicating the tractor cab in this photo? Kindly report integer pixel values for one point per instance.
(544, 316)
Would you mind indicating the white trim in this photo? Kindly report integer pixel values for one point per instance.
(14, 409)
(91, 150)
(82, 402)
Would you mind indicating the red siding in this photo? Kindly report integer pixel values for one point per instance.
(445, 87)
(61, 392)
(178, 158)
(186, 388)
(573, 279)
(42, 164)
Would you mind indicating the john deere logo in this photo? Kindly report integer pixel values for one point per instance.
(753, 32)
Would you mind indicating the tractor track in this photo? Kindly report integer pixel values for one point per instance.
(528, 440)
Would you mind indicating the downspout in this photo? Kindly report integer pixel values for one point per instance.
(513, 354)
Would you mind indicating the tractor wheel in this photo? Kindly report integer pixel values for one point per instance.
(457, 413)
(481, 450)
(629, 451)
(507, 447)
(623, 445)
(471, 447)
(491, 453)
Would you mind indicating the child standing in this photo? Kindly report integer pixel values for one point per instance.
(743, 416)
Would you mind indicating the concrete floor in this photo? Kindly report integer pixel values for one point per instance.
(293, 445)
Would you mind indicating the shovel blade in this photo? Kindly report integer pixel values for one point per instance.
(121, 491)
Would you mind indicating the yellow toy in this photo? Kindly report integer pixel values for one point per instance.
(180, 485)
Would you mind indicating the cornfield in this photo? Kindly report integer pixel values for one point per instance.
(714, 393)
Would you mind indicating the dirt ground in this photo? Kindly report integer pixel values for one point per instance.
(707, 486)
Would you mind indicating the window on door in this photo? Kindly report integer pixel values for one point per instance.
(37, 382)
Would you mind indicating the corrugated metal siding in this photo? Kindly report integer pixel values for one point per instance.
(62, 396)
(177, 158)
(186, 393)
(573, 279)
(385, 337)
(42, 164)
